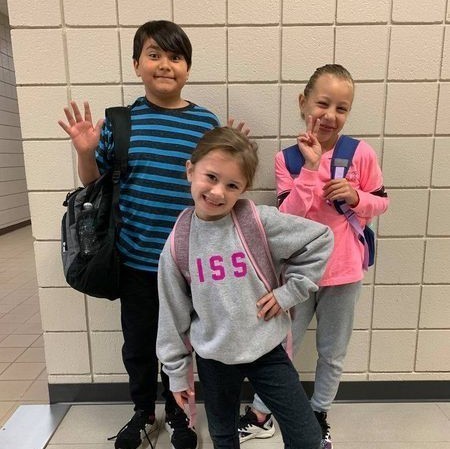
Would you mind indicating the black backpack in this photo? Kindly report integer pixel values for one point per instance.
(92, 220)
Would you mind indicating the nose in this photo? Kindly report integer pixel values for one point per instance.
(217, 191)
(163, 63)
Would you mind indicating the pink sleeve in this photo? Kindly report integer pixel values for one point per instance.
(297, 194)
(371, 180)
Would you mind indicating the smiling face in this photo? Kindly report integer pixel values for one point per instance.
(217, 181)
(330, 100)
(163, 73)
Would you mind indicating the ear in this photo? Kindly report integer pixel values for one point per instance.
(301, 104)
(136, 68)
(189, 170)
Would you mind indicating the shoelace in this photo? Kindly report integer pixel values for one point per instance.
(137, 422)
(246, 420)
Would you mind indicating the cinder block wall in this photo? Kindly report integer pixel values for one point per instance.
(251, 59)
(14, 207)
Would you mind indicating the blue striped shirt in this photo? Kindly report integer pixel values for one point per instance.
(155, 189)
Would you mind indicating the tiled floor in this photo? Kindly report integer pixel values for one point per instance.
(23, 379)
(86, 426)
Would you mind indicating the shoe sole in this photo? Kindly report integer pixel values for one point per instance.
(260, 435)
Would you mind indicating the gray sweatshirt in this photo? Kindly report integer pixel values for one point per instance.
(218, 311)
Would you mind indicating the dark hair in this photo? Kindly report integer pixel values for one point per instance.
(329, 69)
(168, 35)
(233, 142)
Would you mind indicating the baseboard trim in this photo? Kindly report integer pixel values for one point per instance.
(371, 391)
(15, 226)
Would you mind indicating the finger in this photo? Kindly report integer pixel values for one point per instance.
(69, 116)
(64, 126)
(265, 309)
(264, 299)
(76, 111)
(87, 112)
(99, 125)
(230, 122)
(309, 124)
(316, 127)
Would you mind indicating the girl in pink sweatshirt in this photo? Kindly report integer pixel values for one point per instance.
(325, 105)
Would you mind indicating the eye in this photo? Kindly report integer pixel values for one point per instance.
(153, 55)
(177, 58)
(342, 109)
(322, 104)
(211, 177)
(233, 186)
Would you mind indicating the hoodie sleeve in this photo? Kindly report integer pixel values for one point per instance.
(175, 309)
(300, 249)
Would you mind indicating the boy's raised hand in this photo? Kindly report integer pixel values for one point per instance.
(241, 127)
(309, 145)
(84, 135)
(268, 307)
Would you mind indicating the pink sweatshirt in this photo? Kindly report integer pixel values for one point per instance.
(306, 200)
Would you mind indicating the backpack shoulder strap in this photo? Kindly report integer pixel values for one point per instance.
(343, 153)
(253, 238)
(341, 161)
(179, 242)
(120, 118)
(293, 159)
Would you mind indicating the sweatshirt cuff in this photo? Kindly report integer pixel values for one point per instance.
(178, 383)
(284, 298)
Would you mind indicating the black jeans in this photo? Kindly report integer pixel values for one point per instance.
(276, 381)
(139, 316)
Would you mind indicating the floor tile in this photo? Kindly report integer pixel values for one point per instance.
(445, 407)
(32, 355)
(10, 354)
(97, 421)
(6, 410)
(38, 343)
(23, 371)
(381, 422)
(18, 341)
(28, 328)
(12, 390)
(38, 391)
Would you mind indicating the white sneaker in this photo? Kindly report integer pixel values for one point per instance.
(250, 428)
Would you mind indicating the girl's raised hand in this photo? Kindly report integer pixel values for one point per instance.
(309, 145)
(84, 135)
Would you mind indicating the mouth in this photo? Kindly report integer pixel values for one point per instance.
(211, 202)
(326, 128)
(164, 77)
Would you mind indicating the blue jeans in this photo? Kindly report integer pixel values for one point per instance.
(276, 381)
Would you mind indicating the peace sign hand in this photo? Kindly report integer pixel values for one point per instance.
(309, 145)
(84, 135)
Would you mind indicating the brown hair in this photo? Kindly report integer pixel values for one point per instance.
(336, 70)
(168, 35)
(233, 142)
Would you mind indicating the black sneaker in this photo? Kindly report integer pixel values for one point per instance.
(249, 427)
(129, 436)
(326, 442)
(181, 435)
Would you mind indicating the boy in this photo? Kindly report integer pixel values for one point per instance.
(165, 129)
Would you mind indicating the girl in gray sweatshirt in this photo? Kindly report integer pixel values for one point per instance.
(235, 326)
